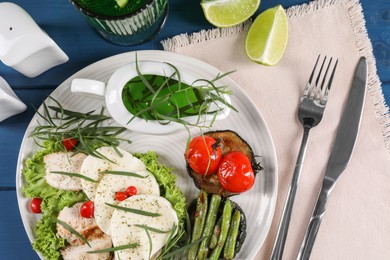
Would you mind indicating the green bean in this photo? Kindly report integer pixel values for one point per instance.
(208, 228)
(226, 217)
(230, 245)
(200, 218)
(215, 235)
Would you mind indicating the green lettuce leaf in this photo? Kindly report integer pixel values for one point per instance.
(46, 240)
(53, 201)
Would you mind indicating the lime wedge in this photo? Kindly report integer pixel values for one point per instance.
(121, 3)
(226, 13)
(267, 37)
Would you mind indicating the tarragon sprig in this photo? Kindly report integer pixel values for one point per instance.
(56, 123)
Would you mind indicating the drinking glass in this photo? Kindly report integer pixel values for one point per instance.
(136, 22)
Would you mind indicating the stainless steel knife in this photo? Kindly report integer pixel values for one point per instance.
(340, 155)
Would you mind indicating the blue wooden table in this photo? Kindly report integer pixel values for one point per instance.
(83, 46)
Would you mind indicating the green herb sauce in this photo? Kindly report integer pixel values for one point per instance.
(164, 97)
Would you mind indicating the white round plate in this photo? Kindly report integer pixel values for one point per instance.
(258, 203)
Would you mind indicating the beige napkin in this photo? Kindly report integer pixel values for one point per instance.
(357, 220)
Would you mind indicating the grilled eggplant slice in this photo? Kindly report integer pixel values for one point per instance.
(229, 141)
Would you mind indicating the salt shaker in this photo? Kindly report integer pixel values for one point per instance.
(24, 46)
(10, 104)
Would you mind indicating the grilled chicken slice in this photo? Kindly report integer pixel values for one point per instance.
(80, 252)
(63, 162)
(86, 227)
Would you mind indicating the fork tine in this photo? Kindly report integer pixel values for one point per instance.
(320, 72)
(332, 75)
(320, 90)
(325, 98)
(315, 66)
(326, 73)
(308, 85)
(314, 93)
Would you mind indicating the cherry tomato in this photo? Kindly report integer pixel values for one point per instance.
(131, 191)
(235, 172)
(120, 195)
(87, 209)
(69, 143)
(204, 155)
(35, 205)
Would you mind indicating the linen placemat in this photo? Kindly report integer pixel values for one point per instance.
(356, 223)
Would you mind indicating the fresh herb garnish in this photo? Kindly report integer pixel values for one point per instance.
(72, 174)
(155, 230)
(178, 244)
(135, 211)
(113, 249)
(58, 124)
(150, 242)
(172, 242)
(147, 229)
(72, 231)
(123, 173)
(183, 248)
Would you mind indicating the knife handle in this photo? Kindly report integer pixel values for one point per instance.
(315, 220)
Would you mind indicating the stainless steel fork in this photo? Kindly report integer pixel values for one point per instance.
(310, 112)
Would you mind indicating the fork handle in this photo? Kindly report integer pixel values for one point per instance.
(277, 251)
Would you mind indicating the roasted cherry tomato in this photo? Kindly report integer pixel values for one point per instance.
(87, 209)
(35, 205)
(235, 172)
(203, 155)
(70, 143)
(131, 191)
(121, 195)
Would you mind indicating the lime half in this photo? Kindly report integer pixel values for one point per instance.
(226, 13)
(267, 37)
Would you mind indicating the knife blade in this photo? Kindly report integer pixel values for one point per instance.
(340, 155)
(349, 124)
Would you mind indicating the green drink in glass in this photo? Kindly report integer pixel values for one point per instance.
(124, 22)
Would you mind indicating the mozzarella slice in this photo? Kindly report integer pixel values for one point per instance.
(125, 231)
(93, 165)
(110, 184)
(63, 162)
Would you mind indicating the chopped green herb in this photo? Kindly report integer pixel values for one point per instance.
(150, 242)
(113, 249)
(135, 211)
(73, 231)
(155, 230)
(183, 248)
(72, 174)
(124, 173)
